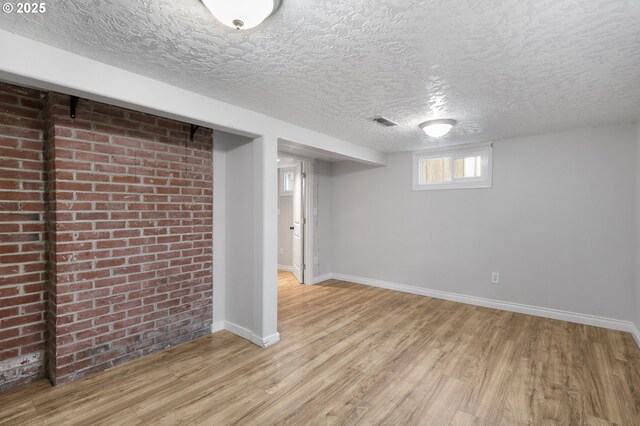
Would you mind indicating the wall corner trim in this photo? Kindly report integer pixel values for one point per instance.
(320, 279)
(217, 326)
(265, 342)
(586, 319)
(238, 330)
(245, 333)
(635, 332)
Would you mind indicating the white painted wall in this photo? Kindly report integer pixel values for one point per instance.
(219, 229)
(637, 319)
(234, 154)
(323, 232)
(558, 224)
(265, 241)
(245, 237)
(285, 220)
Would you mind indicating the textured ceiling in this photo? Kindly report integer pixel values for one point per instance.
(501, 68)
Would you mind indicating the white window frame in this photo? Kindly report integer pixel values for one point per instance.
(283, 172)
(485, 150)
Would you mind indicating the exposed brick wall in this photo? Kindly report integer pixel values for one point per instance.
(22, 237)
(131, 252)
(106, 236)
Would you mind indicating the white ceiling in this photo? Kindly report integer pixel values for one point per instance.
(501, 68)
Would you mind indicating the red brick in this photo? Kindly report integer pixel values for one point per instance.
(8, 353)
(19, 300)
(110, 318)
(130, 239)
(6, 334)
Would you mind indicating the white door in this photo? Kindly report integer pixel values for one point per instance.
(298, 223)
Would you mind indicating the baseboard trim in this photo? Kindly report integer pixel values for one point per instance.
(245, 333)
(265, 342)
(574, 317)
(285, 268)
(217, 326)
(636, 334)
(320, 279)
(238, 330)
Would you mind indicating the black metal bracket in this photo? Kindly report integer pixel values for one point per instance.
(194, 129)
(73, 104)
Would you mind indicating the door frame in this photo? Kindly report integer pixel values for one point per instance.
(299, 220)
(309, 193)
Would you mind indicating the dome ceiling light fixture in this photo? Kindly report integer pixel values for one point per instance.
(242, 14)
(437, 128)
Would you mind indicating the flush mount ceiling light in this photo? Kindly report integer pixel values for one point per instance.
(242, 14)
(437, 128)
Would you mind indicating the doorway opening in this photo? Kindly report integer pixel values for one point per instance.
(294, 232)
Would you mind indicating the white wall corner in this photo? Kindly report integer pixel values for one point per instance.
(238, 330)
(285, 268)
(219, 232)
(320, 279)
(265, 237)
(637, 274)
(309, 227)
(245, 333)
(265, 342)
(635, 332)
(217, 326)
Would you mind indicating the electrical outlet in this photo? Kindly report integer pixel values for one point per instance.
(281, 251)
(315, 260)
(495, 278)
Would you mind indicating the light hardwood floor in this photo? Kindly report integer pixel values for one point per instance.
(352, 354)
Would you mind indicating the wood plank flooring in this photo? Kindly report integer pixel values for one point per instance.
(357, 355)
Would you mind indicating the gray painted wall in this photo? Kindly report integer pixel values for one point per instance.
(285, 220)
(238, 153)
(219, 227)
(323, 203)
(637, 320)
(558, 224)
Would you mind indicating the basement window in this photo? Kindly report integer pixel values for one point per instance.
(286, 181)
(461, 167)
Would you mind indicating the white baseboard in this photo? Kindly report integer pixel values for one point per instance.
(285, 268)
(320, 279)
(265, 342)
(574, 317)
(217, 326)
(586, 319)
(245, 333)
(636, 334)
